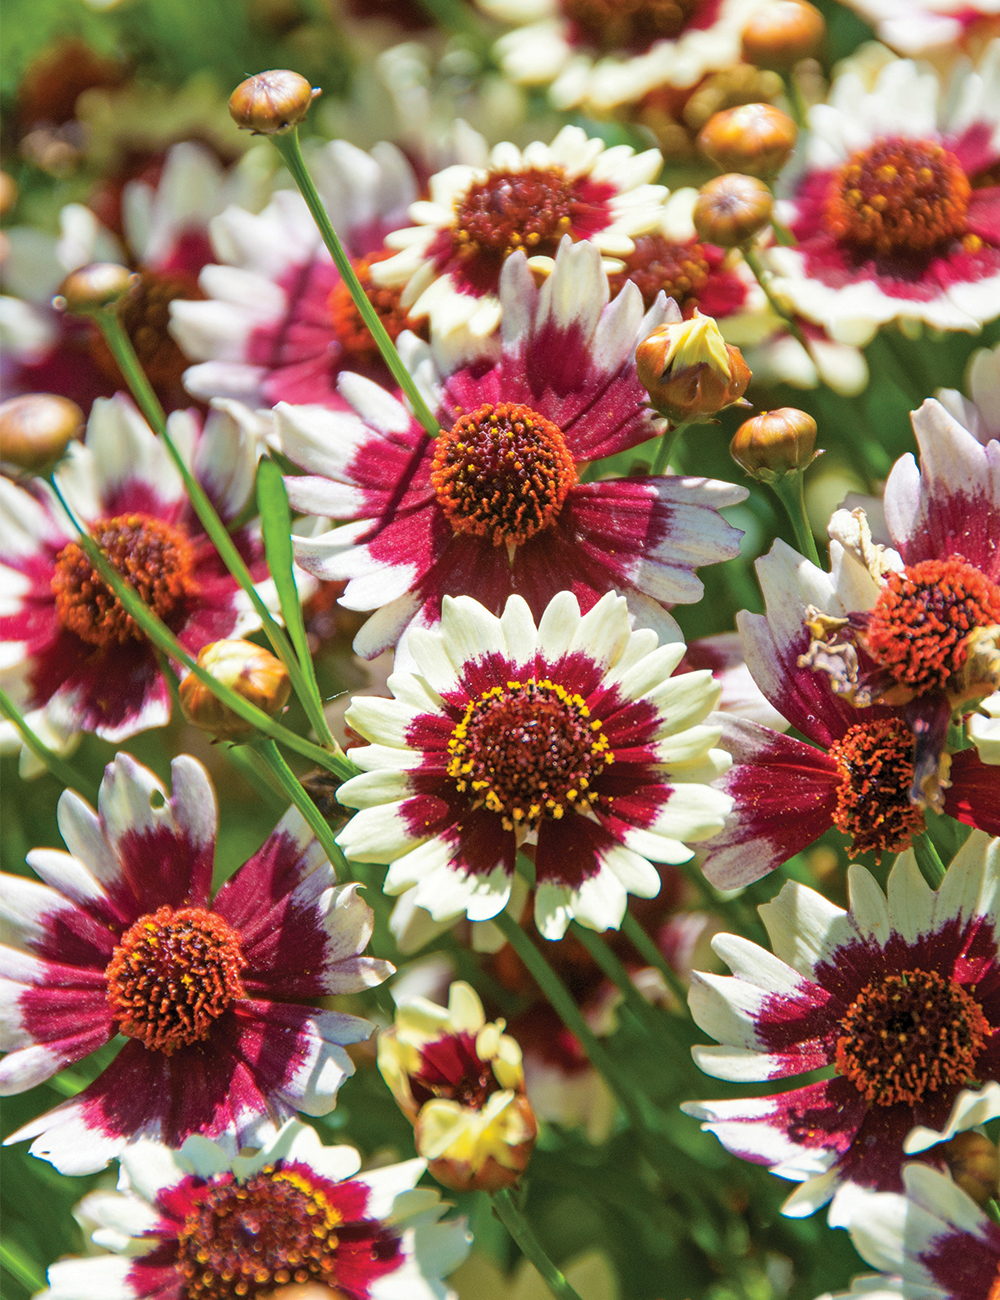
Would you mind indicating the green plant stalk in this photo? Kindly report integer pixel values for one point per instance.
(164, 640)
(267, 752)
(788, 490)
(665, 448)
(645, 1013)
(288, 146)
(60, 769)
(649, 952)
(752, 259)
(519, 1228)
(124, 354)
(928, 860)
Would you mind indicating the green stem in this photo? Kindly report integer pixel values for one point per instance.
(60, 769)
(649, 952)
(124, 354)
(796, 101)
(291, 152)
(613, 969)
(266, 751)
(665, 449)
(788, 490)
(519, 1228)
(928, 860)
(763, 277)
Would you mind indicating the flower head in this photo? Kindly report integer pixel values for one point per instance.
(180, 1223)
(571, 739)
(900, 995)
(124, 938)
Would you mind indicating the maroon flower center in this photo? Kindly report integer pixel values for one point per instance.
(155, 558)
(627, 24)
(908, 1035)
(509, 210)
(528, 750)
(899, 196)
(145, 314)
(875, 765)
(502, 472)
(172, 975)
(353, 334)
(680, 270)
(450, 1067)
(243, 1239)
(921, 623)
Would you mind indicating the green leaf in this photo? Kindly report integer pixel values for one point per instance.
(276, 522)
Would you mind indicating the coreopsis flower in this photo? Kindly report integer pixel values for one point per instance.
(74, 661)
(276, 323)
(900, 995)
(931, 27)
(572, 738)
(980, 411)
(459, 1081)
(450, 260)
(603, 53)
(895, 211)
(182, 1223)
(124, 938)
(496, 505)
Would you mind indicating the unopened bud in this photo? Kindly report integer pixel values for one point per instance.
(731, 209)
(689, 370)
(94, 287)
(775, 443)
(8, 193)
(271, 102)
(304, 1291)
(782, 33)
(974, 1163)
(754, 138)
(253, 673)
(36, 429)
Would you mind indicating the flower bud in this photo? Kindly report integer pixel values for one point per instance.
(460, 1083)
(731, 209)
(93, 287)
(36, 429)
(689, 370)
(253, 673)
(8, 193)
(782, 33)
(775, 443)
(271, 102)
(974, 1163)
(753, 138)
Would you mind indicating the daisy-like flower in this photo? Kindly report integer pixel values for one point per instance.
(900, 995)
(930, 26)
(181, 1222)
(123, 938)
(277, 323)
(895, 209)
(603, 53)
(449, 264)
(74, 660)
(495, 505)
(571, 738)
(980, 411)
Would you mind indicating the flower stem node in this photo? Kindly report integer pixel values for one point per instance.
(754, 138)
(271, 103)
(782, 33)
(36, 429)
(690, 372)
(775, 443)
(252, 672)
(731, 209)
(93, 288)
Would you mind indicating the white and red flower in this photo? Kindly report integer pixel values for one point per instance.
(980, 411)
(447, 516)
(181, 1223)
(74, 661)
(931, 27)
(900, 995)
(572, 739)
(123, 938)
(277, 323)
(896, 212)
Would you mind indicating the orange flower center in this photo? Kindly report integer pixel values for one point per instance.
(528, 750)
(243, 1239)
(145, 314)
(680, 270)
(919, 627)
(510, 210)
(153, 557)
(172, 975)
(353, 334)
(875, 764)
(627, 24)
(899, 196)
(909, 1035)
(502, 472)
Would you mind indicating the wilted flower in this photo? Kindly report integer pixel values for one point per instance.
(689, 370)
(36, 429)
(249, 670)
(271, 102)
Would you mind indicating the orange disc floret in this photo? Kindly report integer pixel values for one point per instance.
(353, 334)
(875, 764)
(510, 210)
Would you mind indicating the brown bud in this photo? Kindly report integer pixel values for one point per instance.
(731, 209)
(689, 371)
(93, 287)
(753, 138)
(253, 673)
(271, 102)
(775, 443)
(36, 429)
(974, 1163)
(304, 1291)
(8, 193)
(782, 32)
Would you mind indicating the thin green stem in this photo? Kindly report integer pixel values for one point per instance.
(666, 447)
(612, 967)
(796, 101)
(124, 354)
(266, 751)
(788, 490)
(928, 860)
(60, 769)
(291, 152)
(763, 277)
(519, 1228)
(649, 952)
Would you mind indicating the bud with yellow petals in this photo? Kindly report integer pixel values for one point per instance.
(252, 672)
(271, 102)
(689, 370)
(775, 443)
